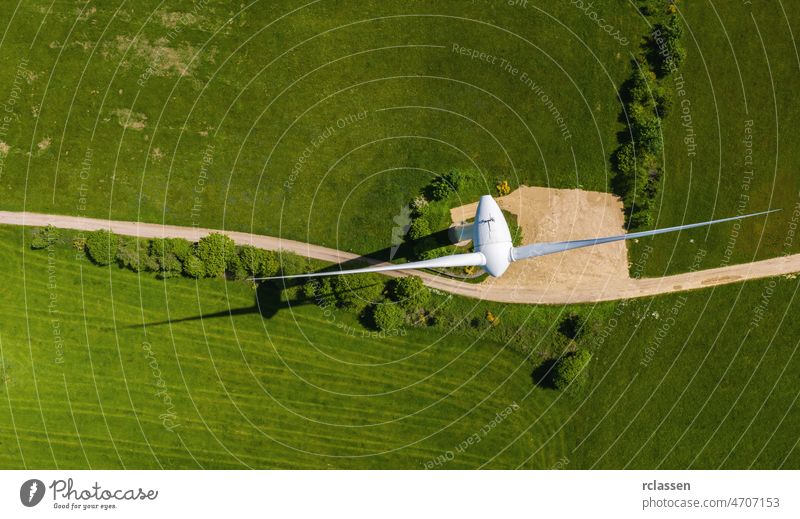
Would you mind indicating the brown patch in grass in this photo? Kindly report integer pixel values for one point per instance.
(130, 120)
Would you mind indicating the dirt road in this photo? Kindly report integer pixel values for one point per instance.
(544, 288)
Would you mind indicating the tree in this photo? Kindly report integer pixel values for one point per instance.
(194, 267)
(410, 292)
(258, 262)
(101, 246)
(570, 370)
(388, 316)
(44, 237)
(216, 251)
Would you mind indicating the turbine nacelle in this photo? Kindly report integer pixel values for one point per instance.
(491, 236)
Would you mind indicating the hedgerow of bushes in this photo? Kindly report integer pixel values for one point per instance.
(647, 100)
(214, 255)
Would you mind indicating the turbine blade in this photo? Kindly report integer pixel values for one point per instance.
(543, 249)
(454, 260)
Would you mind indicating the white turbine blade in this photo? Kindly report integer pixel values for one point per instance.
(543, 249)
(454, 260)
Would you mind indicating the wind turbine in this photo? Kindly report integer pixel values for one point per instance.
(494, 251)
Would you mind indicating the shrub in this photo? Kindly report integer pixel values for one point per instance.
(216, 251)
(388, 317)
(647, 134)
(79, 243)
(164, 255)
(358, 290)
(640, 217)
(258, 262)
(432, 252)
(194, 267)
(101, 246)
(320, 289)
(439, 189)
(503, 188)
(625, 159)
(457, 179)
(44, 237)
(663, 100)
(667, 52)
(290, 263)
(181, 248)
(420, 228)
(410, 292)
(131, 254)
(641, 84)
(418, 204)
(570, 369)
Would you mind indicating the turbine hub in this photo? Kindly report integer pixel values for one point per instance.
(491, 236)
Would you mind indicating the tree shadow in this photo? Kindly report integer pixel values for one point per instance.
(544, 374)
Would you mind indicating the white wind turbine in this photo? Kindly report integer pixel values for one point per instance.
(494, 251)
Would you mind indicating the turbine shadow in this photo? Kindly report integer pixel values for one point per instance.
(270, 295)
(269, 300)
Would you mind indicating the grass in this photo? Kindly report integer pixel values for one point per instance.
(736, 71)
(251, 108)
(254, 380)
(383, 103)
(294, 387)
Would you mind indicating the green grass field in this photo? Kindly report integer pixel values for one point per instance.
(300, 388)
(105, 368)
(318, 124)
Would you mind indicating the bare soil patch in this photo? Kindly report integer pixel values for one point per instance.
(548, 215)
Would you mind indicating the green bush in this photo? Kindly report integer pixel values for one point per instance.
(663, 100)
(666, 49)
(428, 250)
(258, 262)
(216, 251)
(458, 179)
(358, 290)
(641, 84)
(44, 237)
(419, 229)
(440, 188)
(410, 292)
(132, 254)
(388, 317)
(320, 289)
(625, 159)
(570, 370)
(167, 255)
(101, 246)
(194, 267)
(290, 263)
(181, 248)
(647, 134)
